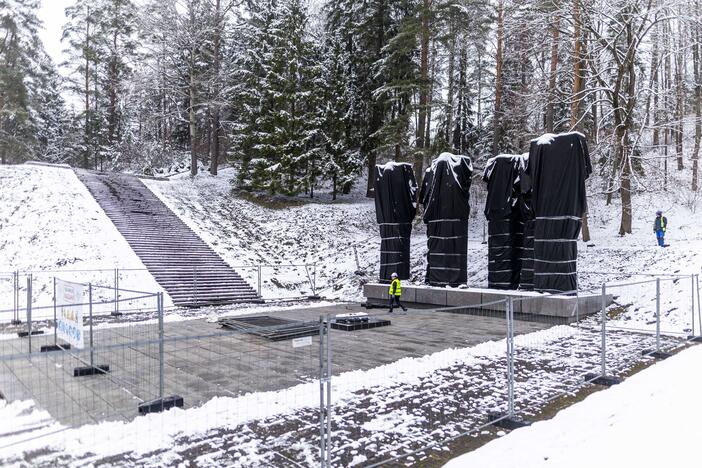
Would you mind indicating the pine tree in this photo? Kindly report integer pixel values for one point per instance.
(20, 48)
(53, 123)
(281, 143)
(342, 162)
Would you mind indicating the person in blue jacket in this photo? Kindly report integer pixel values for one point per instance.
(659, 227)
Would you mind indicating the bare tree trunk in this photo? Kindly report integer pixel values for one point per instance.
(192, 116)
(679, 94)
(666, 102)
(86, 155)
(577, 90)
(480, 91)
(555, 35)
(368, 147)
(655, 65)
(449, 98)
(497, 118)
(215, 130)
(458, 136)
(430, 100)
(698, 100)
(625, 179)
(423, 88)
(112, 92)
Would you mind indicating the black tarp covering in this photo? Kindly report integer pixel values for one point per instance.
(558, 166)
(445, 196)
(505, 224)
(526, 211)
(395, 207)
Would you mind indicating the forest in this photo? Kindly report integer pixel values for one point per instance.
(303, 97)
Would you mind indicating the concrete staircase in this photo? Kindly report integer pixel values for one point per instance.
(182, 263)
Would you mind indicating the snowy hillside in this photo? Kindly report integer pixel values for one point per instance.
(52, 226)
(49, 221)
(297, 231)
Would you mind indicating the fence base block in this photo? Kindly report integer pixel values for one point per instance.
(507, 422)
(91, 370)
(314, 298)
(161, 404)
(695, 339)
(116, 314)
(604, 380)
(24, 334)
(656, 354)
(15, 322)
(49, 348)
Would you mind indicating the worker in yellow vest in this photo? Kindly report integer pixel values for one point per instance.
(395, 293)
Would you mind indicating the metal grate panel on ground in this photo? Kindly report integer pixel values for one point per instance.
(271, 328)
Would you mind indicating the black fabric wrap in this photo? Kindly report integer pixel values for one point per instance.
(557, 172)
(395, 207)
(445, 196)
(505, 226)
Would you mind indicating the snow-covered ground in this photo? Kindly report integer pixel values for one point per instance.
(381, 412)
(331, 234)
(52, 226)
(650, 420)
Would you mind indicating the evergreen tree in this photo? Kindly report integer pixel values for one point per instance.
(342, 162)
(281, 142)
(53, 123)
(19, 50)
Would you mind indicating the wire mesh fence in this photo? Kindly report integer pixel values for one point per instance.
(329, 386)
(115, 286)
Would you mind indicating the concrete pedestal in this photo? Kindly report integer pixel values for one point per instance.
(569, 308)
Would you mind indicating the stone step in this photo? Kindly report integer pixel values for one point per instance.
(183, 264)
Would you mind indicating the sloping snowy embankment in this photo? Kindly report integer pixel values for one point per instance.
(650, 420)
(325, 232)
(300, 231)
(51, 225)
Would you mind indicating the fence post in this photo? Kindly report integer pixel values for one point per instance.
(159, 302)
(16, 319)
(658, 313)
(603, 358)
(692, 305)
(602, 378)
(195, 283)
(90, 314)
(29, 311)
(259, 280)
(116, 311)
(322, 447)
(577, 300)
(314, 279)
(329, 400)
(55, 317)
(697, 287)
(510, 357)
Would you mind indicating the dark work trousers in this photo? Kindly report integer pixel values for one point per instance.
(395, 302)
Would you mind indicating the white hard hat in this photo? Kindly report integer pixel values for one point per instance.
(394, 275)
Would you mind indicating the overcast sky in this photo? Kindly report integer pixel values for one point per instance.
(53, 17)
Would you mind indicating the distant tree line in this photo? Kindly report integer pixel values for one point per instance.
(306, 98)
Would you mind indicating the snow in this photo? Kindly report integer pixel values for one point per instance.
(101, 439)
(378, 410)
(283, 233)
(650, 420)
(52, 226)
(452, 160)
(391, 165)
(490, 164)
(547, 138)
